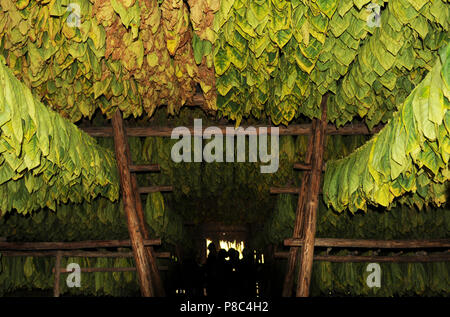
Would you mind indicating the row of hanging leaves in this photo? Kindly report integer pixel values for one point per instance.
(44, 158)
(280, 57)
(249, 57)
(83, 55)
(409, 155)
(401, 222)
(35, 273)
(396, 279)
(378, 66)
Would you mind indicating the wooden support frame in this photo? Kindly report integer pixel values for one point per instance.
(306, 212)
(156, 278)
(307, 251)
(293, 252)
(129, 200)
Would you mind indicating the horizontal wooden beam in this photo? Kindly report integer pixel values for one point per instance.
(106, 269)
(382, 244)
(84, 254)
(281, 254)
(287, 190)
(284, 190)
(145, 168)
(154, 189)
(303, 167)
(306, 167)
(293, 129)
(71, 245)
(394, 258)
(441, 257)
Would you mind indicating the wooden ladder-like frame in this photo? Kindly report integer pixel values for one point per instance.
(306, 212)
(146, 267)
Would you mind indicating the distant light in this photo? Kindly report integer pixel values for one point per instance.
(226, 245)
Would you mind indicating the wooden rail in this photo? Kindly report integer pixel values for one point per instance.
(287, 190)
(154, 189)
(84, 254)
(72, 245)
(306, 167)
(293, 129)
(439, 257)
(106, 269)
(381, 244)
(144, 168)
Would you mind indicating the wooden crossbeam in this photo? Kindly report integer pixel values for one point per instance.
(392, 259)
(362, 243)
(72, 245)
(77, 253)
(293, 129)
(439, 257)
(306, 167)
(144, 168)
(285, 190)
(106, 269)
(154, 189)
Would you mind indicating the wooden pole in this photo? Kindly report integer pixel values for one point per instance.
(292, 129)
(106, 269)
(83, 254)
(307, 251)
(292, 258)
(71, 245)
(156, 277)
(129, 201)
(57, 274)
(442, 257)
(439, 257)
(382, 244)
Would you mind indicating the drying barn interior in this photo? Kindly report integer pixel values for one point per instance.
(224, 148)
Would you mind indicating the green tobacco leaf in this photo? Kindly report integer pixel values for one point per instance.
(398, 153)
(328, 6)
(222, 60)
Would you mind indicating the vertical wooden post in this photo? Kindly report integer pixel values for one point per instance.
(140, 256)
(57, 274)
(307, 251)
(299, 219)
(156, 277)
